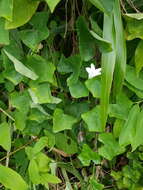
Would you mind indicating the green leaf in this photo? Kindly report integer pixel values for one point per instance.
(104, 45)
(62, 121)
(111, 147)
(34, 172)
(22, 13)
(138, 92)
(52, 4)
(85, 40)
(94, 86)
(49, 178)
(42, 142)
(87, 155)
(138, 57)
(13, 76)
(67, 144)
(20, 119)
(138, 137)
(77, 108)
(21, 68)
(118, 124)
(41, 93)
(120, 66)
(128, 131)
(32, 37)
(138, 16)
(108, 64)
(43, 162)
(21, 101)
(119, 111)
(134, 28)
(94, 185)
(51, 138)
(93, 119)
(6, 9)
(103, 5)
(38, 116)
(4, 34)
(78, 90)
(65, 64)
(44, 69)
(132, 78)
(5, 136)
(11, 180)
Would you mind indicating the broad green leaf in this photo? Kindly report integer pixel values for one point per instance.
(94, 185)
(62, 121)
(67, 144)
(11, 179)
(38, 116)
(44, 69)
(41, 94)
(120, 66)
(137, 16)
(4, 34)
(14, 48)
(51, 138)
(43, 162)
(42, 142)
(103, 5)
(12, 76)
(95, 27)
(20, 119)
(77, 108)
(5, 136)
(6, 9)
(108, 64)
(87, 155)
(65, 64)
(128, 131)
(85, 40)
(32, 37)
(132, 78)
(93, 119)
(52, 4)
(138, 92)
(119, 111)
(139, 57)
(72, 65)
(138, 137)
(134, 28)
(22, 13)
(111, 147)
(94, 86)
(118, 125)
(78, 89)
(49, 178)
(21, 101)
(104, 45)
(34, 172)
(21, 68)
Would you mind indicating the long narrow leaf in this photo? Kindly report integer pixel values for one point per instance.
(21, 68)
(120, 49)
(108, 64)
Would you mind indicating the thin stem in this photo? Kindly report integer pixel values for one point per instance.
(10, 117)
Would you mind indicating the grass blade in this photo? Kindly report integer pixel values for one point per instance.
(108, 64)
(120, 49)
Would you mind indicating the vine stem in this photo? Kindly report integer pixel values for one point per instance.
(17, 150)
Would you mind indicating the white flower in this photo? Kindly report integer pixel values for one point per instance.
(92, 72)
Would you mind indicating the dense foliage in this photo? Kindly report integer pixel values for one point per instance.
(64, 124)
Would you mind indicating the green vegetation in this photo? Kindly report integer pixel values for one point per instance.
(71, 94)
